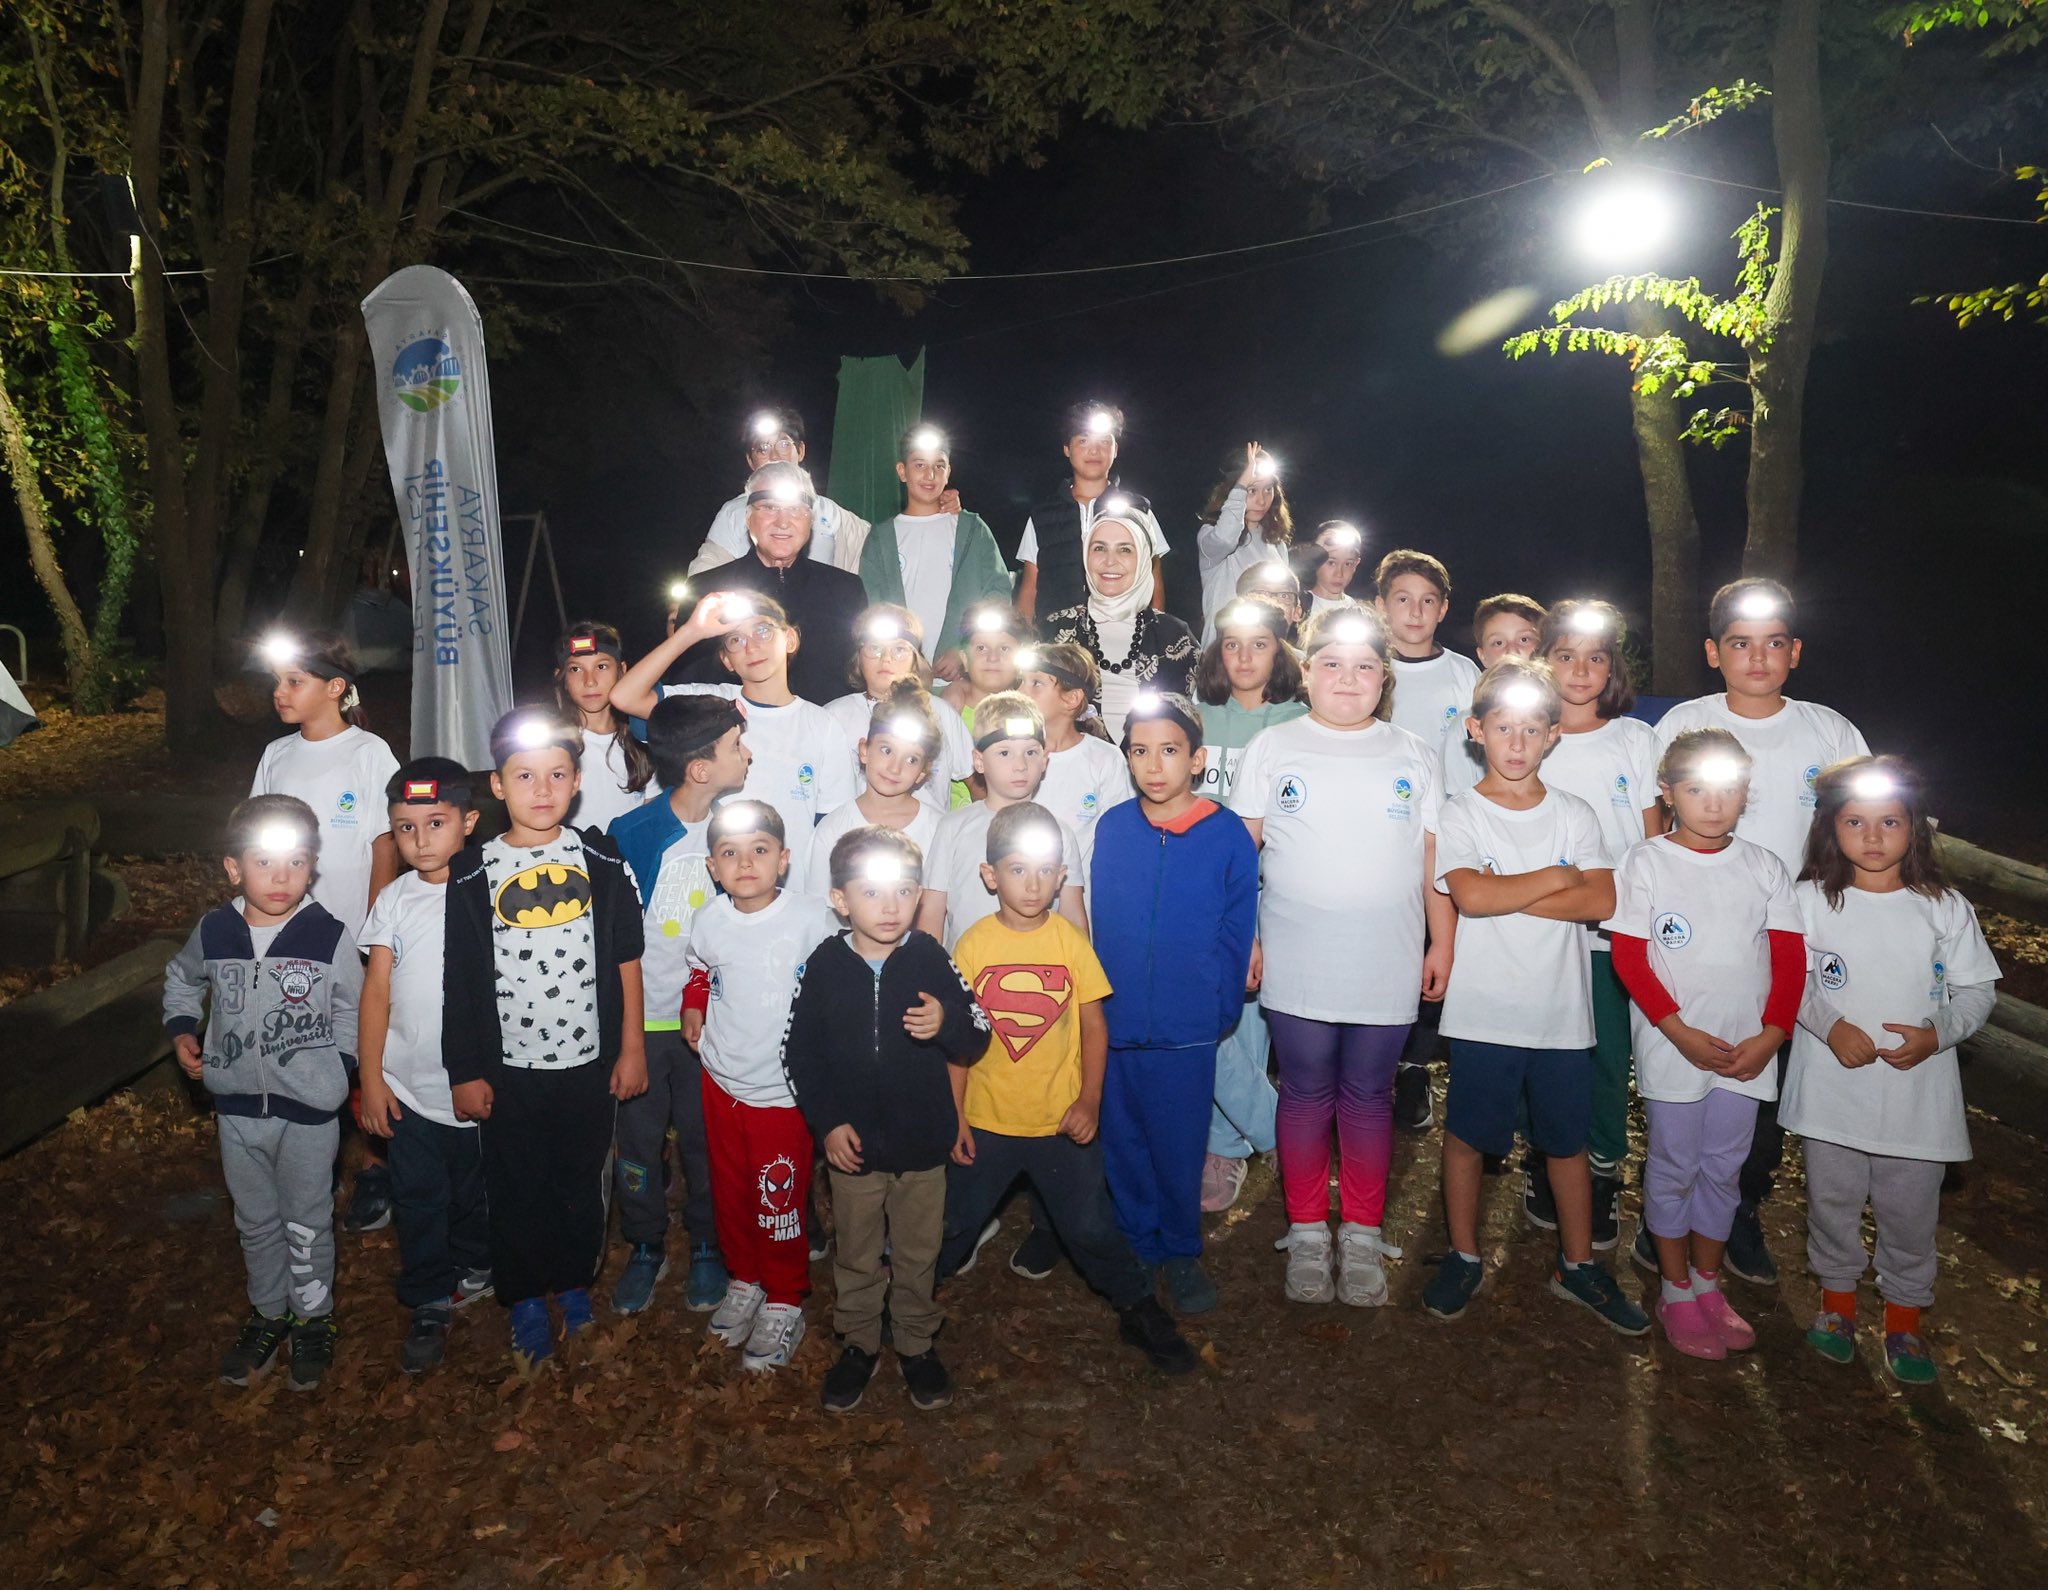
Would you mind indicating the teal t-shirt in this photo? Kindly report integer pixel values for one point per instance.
(1227, 730)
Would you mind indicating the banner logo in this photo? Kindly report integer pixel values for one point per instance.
(426, 375)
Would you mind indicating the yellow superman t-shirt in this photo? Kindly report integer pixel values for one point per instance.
(1031, 985)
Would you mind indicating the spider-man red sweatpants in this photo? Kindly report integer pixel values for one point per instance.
(760, 1177)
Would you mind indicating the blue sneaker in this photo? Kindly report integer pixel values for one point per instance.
(575, 1309)
(1453, 1286)
(705, 1288)
(1590, 1286)
(636, 1286)
(533, 1337)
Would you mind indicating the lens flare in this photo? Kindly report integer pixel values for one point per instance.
(1264, 467)
(1144, 703)
(678, 590)
(882, 869)
(927, 439)
(280, 839)
(1100, 423)
(1720, 772)
(279, 650)
(530, 734)
(884, 628)
(1589, 621)
(1521, 697)
(988, 621)
(767, 427)
(1758, 604)
(1873, 786)
(1039, 843)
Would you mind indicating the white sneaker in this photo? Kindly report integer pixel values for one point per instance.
(1360, 1280)
(982, 1240)
(778, 1328)
(1309, 1278)
(732, 1322)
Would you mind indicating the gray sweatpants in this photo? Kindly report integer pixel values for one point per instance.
(674, 1098)
(1904, 1197)
(281, 1177)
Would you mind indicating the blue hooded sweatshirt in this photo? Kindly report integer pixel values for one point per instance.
(1173, 917)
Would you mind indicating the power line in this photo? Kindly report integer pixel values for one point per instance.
(1849, 204)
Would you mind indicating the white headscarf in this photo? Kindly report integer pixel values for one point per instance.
(1122, 609)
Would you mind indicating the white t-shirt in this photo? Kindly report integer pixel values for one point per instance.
(546, 957)
(802, 765)
(854, 712)
(958, 852)
(843, 820)
(1789, 749)
(753, 959)
(681, 890)
(410, 919)
(1519, 979)
(603, 794)
(1432, 699)
(1081, 783)
(924, 555)
(1884, 957)
(1707, 916)
(1613, 769)
(1084, 516)
(342, 778)
(1340, 913)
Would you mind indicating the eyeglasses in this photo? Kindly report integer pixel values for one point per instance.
(783, 512)
(887, 650)
(758, 634)
(778, 446)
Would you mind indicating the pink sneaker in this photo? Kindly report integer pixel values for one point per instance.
(1736, 1333)
(1222, 1181)
(1689, 1330)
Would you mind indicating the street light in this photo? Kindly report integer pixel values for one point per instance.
(1624, 220)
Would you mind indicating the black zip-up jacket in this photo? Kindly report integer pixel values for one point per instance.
(472, 1044)
(850, 1062)
(821, 601)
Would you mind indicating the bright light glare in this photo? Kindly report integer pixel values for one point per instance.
(1757, 604)
(1341, 535)
(988, 621)
(786, 494)
(885, 628)
(905, 727)
(532, 733)
(1100, 424)
(1039, 844)
(678, 590)
(767, 426)
(1721, 772)
(927, 439)
(1589, 621)
(1144, 703)
(734, 608)
(1521, 698)
(280, 651)
(1350, 631)
(1114, 507)
(1240, 614)
(1873, 786)
(1026, 661)
(1623, 221)
(882, 869)
(280, 839)
(1264, 468)
(1019, 729)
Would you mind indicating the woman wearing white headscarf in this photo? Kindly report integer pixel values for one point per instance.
(1136, 647)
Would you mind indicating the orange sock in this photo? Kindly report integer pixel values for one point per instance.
(1898, 1319)
(1842, 1303)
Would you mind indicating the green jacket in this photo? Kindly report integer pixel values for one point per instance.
(979, 571)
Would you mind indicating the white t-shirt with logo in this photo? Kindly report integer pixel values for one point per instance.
(1884, 957)
(954, 862)
(1707, 916)
(1340, 913)
(1789, 749)
(853, 713)
(1432, 699)
(1081, 783)
(410, 919)
(803, 765)
(545, 949)
(1518, 979)
(342, 778)
(603, 794)
(753, 959)
(924, 556)
(681, 889)
(1613, 769)
(843, 820)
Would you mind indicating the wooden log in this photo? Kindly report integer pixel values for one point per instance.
(1989, 879)
(2018, 1017)
(77, 1042)
(33, 834)
(2006, 1075)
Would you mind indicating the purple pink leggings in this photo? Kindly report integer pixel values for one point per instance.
(1334, 1072)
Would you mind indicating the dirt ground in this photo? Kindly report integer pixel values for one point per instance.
(1525, 1445)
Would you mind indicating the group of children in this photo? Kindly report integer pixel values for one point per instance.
(947, 942)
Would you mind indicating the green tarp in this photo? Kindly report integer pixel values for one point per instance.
(878, 401)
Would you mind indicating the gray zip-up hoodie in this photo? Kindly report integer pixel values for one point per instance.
(281, 1035)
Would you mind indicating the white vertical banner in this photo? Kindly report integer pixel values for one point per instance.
(434, 405)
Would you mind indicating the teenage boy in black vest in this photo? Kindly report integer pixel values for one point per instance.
(1050, 552)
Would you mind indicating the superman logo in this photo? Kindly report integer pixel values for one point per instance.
(1023, 1003)
(543, 896)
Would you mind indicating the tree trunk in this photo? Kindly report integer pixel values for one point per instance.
(1674, 545)
(42, 550)
(1777, 367)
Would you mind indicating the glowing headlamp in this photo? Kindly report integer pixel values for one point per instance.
(905, 727)
(1264, 468)
(1039, 844)
(987, 621)
(785, 494)
(678, 590)
(927, 439)
(1350, 630)
(1342, 535)
(1101, 424)
(1589, 621)
(1722, 772)
(1114, 507)
(1019, 729)
(281, 839)
(1144, 704)
(885, 628)
(1275, 573)
(767, 427)
(530, 734)
(279, 650)
(1758, 604)
(734, 608)
(1026, 661)
(1521, 697)
(882, 869)
(1873, 786)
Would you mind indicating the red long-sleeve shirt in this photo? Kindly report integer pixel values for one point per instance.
(1646, 988)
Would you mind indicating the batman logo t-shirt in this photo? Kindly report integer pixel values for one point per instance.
(546, 952)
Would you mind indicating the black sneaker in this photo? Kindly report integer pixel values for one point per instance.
(312, 1351)
(1149, 1328)
(255, 1348)
(1606, 1213)
(1539, 1206)
(925, 1378)
(1747, 1254)
(427, 1340)
(369, 1206)
(847, 1381)
(1413, 1109)
(1644, 1252)
(1037, 1256)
